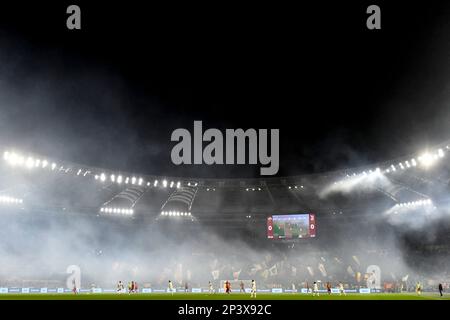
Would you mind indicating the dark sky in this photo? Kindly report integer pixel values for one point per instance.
(111, 94)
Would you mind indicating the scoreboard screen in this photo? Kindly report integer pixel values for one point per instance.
(291, 226)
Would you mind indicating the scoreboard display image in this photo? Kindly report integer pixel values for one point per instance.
(291, 226)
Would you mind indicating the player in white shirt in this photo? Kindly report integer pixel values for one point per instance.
(341, 289)
(315, 290)
(253, 293)
(211, 288)
(120, 287)
(170, 287)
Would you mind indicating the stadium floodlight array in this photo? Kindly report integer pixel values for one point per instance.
(123, 211)
(425, 205)
(10, 200)
(425, 160)
(17, 160)
(253, 189)
(175, 214)
(119, 179)
(295, 187)
(426, 202)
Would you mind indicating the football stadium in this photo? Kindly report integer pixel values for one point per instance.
(368, 232)
(262, 153)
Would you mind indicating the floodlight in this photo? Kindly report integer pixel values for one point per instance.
(164, 183)
(133, 180)
(119, 179)
(102, 177)
(30, 163)
(426, 159)
(155, 183)
(178, 184)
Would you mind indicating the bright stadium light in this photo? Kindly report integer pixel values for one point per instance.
(113, 178)
(155, 183)
(164, 183)
(426, 159)
(413, 162)
(133, 180)
(178, 184)
(30, 163)
(44, 164)
(102, 177)
(119, 179)
(53, 166)
(127, 179)
(140, 181)
(440, 153)
(171, 184)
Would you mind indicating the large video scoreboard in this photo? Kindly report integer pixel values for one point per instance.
(291, 226)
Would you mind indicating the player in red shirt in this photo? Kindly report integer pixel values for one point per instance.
(227, 287)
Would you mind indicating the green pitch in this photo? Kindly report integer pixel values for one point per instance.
(222, 296)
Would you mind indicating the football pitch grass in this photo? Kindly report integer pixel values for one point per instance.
(222, 296)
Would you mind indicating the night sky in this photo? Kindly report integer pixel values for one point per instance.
(110, 95)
